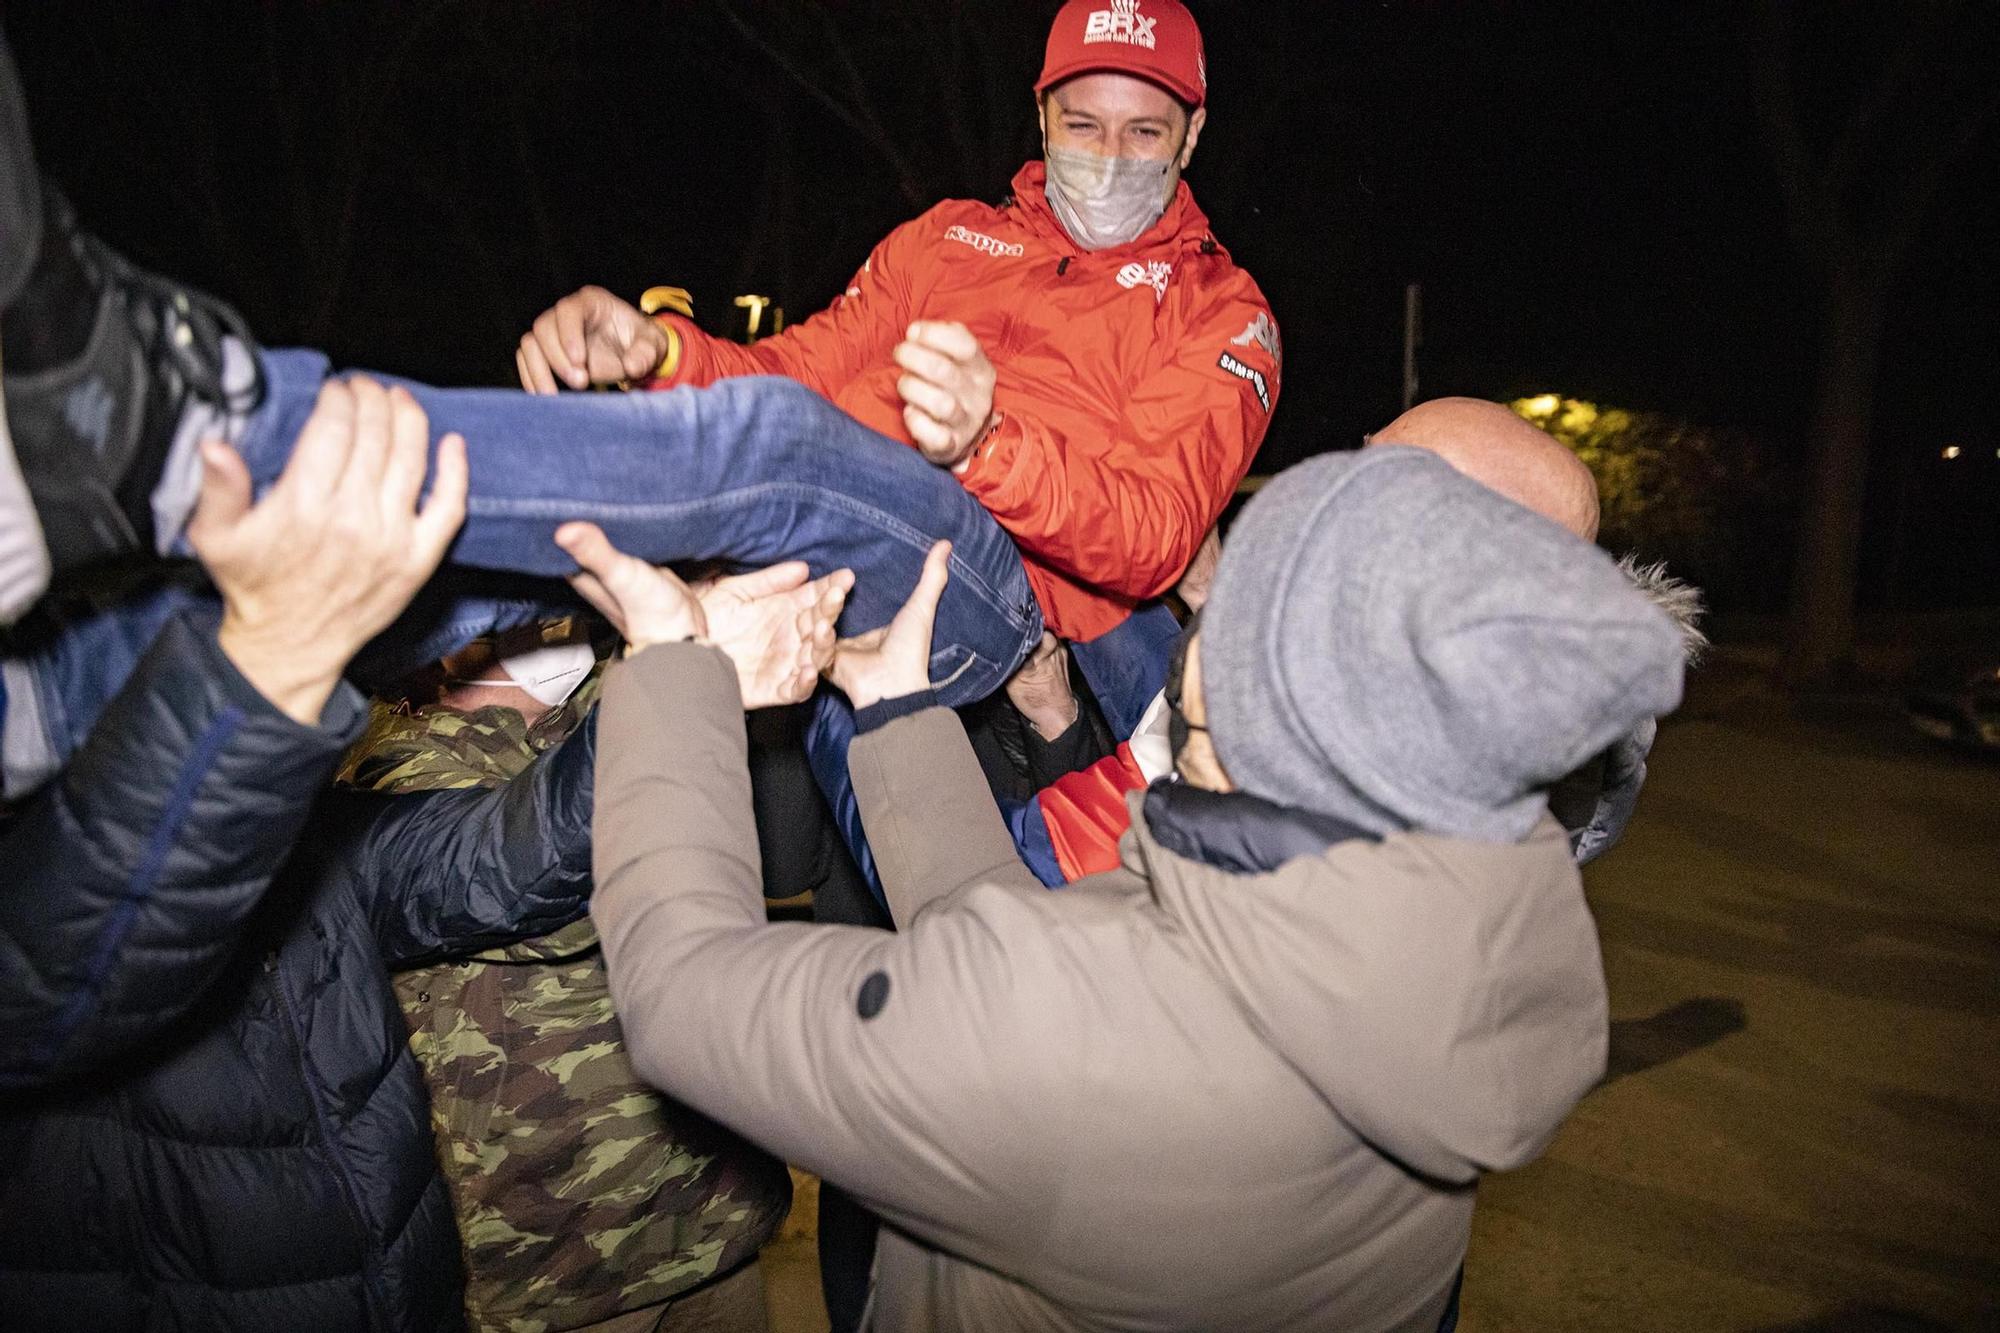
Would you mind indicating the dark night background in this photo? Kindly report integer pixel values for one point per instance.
(1583, 190)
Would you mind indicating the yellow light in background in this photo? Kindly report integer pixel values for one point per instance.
(1578, 416)
(1952, 451)
(1542, 405)
(756, 305)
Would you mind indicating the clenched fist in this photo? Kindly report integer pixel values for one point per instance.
(947, 390)
(589, 337)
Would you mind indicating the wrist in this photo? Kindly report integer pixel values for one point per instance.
(980, 443)
(690, 633)
(867, 693)
(1051, 723)
(670, 356)
(295, 679)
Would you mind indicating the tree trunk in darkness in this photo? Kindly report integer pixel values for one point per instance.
(1819, 640)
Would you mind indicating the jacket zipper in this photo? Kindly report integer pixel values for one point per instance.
(371, 1261)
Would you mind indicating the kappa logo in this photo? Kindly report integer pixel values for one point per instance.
(1155, 275)
(984, 244)
(1264, 333)
(1122, 23)
(1249, 375)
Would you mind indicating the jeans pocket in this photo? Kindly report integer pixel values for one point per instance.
(961, 676)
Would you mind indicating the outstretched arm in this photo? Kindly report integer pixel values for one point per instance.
(448, 872)
(878, 1061)
(128, 882)
(594, 337)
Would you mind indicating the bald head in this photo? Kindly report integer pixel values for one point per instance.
(1502, 452)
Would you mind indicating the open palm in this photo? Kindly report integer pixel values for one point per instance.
(893, 661)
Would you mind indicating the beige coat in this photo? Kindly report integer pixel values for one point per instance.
(1166, 1098)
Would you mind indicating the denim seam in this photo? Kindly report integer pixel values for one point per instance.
(139, 888)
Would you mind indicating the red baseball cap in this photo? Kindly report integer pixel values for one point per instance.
(1155, 40)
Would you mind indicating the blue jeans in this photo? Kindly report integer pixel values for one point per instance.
(749, 472)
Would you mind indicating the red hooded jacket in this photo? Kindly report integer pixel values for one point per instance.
(1134, 384)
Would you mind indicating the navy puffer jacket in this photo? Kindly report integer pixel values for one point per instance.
(209, 1115)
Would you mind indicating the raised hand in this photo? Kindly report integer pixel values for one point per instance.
(894, 660)
(337, 547)
(774, 625)
(589, 337)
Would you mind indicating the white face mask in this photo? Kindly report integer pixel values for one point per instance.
(551, 675)
(1108, 201)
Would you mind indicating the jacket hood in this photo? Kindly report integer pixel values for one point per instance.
(1445, 997)
(1183, 224)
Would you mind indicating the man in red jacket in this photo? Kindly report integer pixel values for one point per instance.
(1085, 357)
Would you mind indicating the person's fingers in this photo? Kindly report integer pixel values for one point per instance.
(625, 577)
(408, 456)
(536, 377)
(225, 492)
(919, 614)
(444, 511)
(320, 455)
(764, 582)
(818, 638)
(573, 335)
(926, 363)
(832, 593)
(548, 339)
(641, 356)
(934, 400)
(589, 547)
(952, 339)
(932, 436)
(362, 479)
(865, 642)
(594, 592)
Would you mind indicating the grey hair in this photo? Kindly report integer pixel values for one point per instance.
(1677, 597)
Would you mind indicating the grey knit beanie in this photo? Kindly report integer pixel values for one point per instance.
(1392, 643)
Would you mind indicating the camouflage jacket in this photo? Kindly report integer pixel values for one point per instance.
(580, 1192)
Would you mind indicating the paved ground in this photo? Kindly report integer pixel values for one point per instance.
(1801, 1128)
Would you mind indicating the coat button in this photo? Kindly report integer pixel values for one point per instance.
(874, 994)
(423, 997)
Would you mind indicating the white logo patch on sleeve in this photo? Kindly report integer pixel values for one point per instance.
(1249, 375)
(1264, 334)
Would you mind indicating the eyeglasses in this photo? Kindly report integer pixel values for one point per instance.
(1177, 670)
